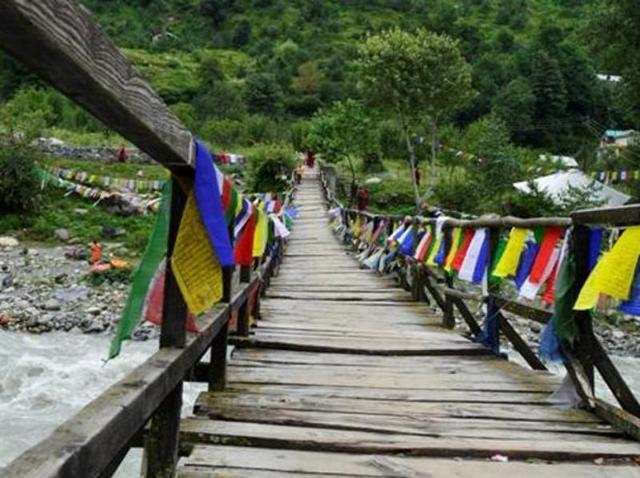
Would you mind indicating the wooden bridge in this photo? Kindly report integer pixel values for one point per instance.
(346, 374)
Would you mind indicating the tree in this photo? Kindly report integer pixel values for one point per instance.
(308, 80)
(342, 132)
(551, 96)
(241, 33)
(262, 94)
(614, 32)
(412, 76)
(515, 105)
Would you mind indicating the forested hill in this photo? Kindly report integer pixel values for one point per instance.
(220, 63)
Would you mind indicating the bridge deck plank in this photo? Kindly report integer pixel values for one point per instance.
(344, 361)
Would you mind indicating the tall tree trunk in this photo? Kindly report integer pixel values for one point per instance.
(411, 150)
(353, 188)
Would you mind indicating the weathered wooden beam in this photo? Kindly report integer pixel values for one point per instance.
(614, 216)
(614, 380)
(86, 444)
(60, 42)
(467, 316)
(519, 344)
(523, 310)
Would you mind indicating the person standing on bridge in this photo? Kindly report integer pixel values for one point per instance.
(311, 159)
(363, 198)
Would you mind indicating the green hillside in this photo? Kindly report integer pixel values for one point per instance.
(245, 72)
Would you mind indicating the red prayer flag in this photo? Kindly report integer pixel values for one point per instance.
(226, 192)
(549, 296)
(551, 236)
(155, 303)
(244, 247)
(462, 251)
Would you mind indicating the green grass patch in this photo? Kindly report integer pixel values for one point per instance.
(58, 212)
(114, 169)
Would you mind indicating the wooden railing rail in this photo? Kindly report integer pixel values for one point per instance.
(586, 354)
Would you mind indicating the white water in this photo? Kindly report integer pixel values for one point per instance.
(46, 379)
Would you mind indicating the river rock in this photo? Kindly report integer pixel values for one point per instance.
(8, 241)
(94, 310)
(62, 234)
(52, 304)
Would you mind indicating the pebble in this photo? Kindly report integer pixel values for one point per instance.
(52, 304)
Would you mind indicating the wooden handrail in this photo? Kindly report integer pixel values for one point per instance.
(60, 41)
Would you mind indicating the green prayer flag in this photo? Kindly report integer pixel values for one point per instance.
(230, 214)
(502, 245)
(566, 295)
(152, 258)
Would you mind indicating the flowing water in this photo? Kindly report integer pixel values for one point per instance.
(46, 379)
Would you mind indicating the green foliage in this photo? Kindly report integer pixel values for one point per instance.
(341, 133)
(392, 196)
(111, 276)
(270, 167)
(411, 74)
(19, 182)
(262, 94)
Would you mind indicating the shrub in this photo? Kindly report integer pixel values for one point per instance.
(270, 166)
(224, 133)
(19, 184)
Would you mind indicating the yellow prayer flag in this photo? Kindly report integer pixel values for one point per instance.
(261, 234)
(431, 260)
(194, 264)
(613, 275)
(508, 264)
(455, 241)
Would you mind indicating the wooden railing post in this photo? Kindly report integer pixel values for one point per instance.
(448, 317)
(584, 342)
(243, 311)
(218, 362)
(491, 326)
(161, 444)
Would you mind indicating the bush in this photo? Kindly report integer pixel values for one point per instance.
(392, 196)
(19, 183)
(270, 166)
(457, 192)
(224, 133)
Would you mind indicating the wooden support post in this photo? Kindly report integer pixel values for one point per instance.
(243, 311)
(161, 446)
(448, 317)
(584, 345)
(418, 283)
(218, 369)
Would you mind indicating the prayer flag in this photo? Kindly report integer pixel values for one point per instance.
(207, 196)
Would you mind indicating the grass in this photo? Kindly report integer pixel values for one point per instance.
(58, 212)
(114, 169)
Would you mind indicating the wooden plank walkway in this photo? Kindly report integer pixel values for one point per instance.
(347, 377)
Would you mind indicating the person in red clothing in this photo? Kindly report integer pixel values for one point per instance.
(311, 159)
(122, 154)
(363, 198)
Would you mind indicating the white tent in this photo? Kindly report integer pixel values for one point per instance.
(555, 185)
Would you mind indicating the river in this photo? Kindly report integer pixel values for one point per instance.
(45, 379)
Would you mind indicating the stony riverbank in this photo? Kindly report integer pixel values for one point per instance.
(41, 290)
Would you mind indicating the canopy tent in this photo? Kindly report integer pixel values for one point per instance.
(557, 184)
